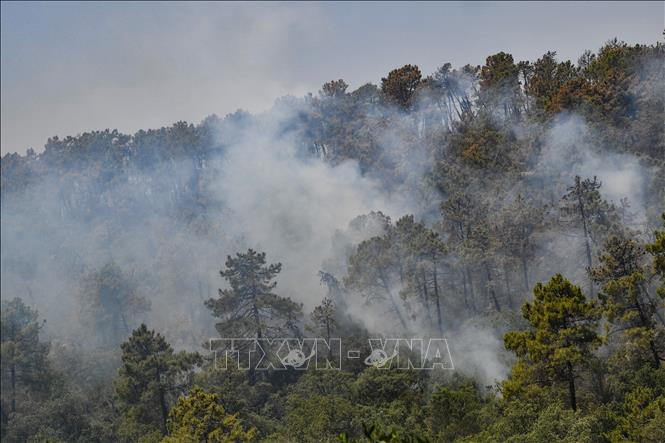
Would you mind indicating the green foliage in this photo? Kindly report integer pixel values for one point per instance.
(150, 376)
(454, 413)
(25, 369)
(643, 418)
(400, 87)
(625, 296)
(520, 423)
(323, 319)
(477, 134)
(63, 416)
(318, 418)
(583, 206)
(499, 86)
(250, 308)
(657, 250)
(563, 334)
(24, 357)
(547, 77)
(375, 434)
(199, 417)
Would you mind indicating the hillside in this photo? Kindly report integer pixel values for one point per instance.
(515, 209)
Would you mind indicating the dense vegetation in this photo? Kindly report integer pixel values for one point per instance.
(505, 231)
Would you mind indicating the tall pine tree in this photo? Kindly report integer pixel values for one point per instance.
(152, 375)
(249, 308)
(562, 336)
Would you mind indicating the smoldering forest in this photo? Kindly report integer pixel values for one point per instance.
(429, 205)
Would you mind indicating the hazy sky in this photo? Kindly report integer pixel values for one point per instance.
(73, 67)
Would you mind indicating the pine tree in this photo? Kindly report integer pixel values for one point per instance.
(584, 206)
(657, 250)
(323, 318)
(464, 225)
(622, 274)
(548, 76)
(450, 89)
(518, 223)
(334, 89)
(24, 357)
(250, 308)
(374, 270)
(151, 375)
(400, 87)
(335, 292)
(562, 336)
(424, 251)
(500, 86)
(111, 303)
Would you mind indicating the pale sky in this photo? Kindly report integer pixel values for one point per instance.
(74, 67)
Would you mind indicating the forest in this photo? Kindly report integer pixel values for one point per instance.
(516, 209)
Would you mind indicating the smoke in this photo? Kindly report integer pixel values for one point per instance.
(290, 205)
(478, 350)
(264, 190)
(571, 148)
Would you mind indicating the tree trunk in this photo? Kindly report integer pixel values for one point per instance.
(330, 357)
(162, 402)
(525, 273)
(645, 291)
(471, 291)
(259, 336)
(586, 239)
(13, 382)
(506, 282)
(490, 287)
(571, 386)
(654, 352)
(398, 312)
(425, 298)
(466, 295)
(257, 322)
(393, 303)
(647, 324)
(438, 302)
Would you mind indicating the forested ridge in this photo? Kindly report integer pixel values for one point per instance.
(516, 209)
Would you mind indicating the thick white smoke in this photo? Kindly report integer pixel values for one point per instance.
(290, 205)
